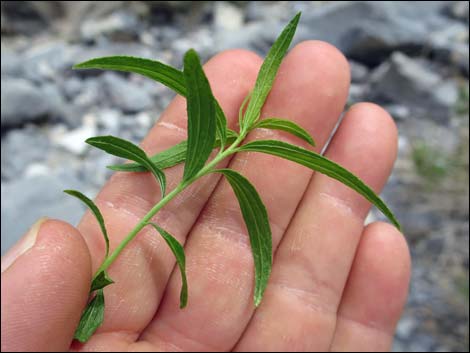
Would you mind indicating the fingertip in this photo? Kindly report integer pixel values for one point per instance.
(379, 278)
(235, 68)
(366, 143)
(375, 293)
(45, 289)
(68, 244)
(334, 65)
(386, 247)
(373, 117)
(247, 59)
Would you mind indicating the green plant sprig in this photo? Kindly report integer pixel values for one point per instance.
(207, 130)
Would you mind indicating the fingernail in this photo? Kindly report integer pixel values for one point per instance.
(23, 245)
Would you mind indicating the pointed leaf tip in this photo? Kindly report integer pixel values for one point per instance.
(125, 149)
(267, 74)
(96, 212)
(178, 252)
(322, 165)
(257, 223)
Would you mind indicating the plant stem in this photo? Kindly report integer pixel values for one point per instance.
(143, 222)
(179, 188)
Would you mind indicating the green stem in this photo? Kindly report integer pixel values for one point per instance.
(143, 222)
(179, 188)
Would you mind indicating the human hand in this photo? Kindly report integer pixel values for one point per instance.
(335, 284)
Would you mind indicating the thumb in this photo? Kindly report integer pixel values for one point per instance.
(45, 282)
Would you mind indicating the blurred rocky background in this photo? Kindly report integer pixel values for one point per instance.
(411, 57)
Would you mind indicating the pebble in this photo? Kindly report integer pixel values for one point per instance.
(23, 102)
(227, 17)
(125, 94)
(410, 82)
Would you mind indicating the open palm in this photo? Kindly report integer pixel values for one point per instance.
(335, 284)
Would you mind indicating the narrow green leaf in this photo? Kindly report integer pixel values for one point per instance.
(155, 70)
(100, 281)
(201, 115)
(169, 157)
(231, 135)
(320, 164)
(241, 111)
(95, 210)
(221, 125)
(285, 125)
(267, 73)
(126, 149)
(178, 251)
(92, 318)
(257, 223)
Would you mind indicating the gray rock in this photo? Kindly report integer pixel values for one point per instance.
(55, 99)
(118, 25)
(49, 60)
(72, 87)
(10, 65)
(437, 136)
(369, 31)
(455, 32)
(450, 46)
(263, 11)
(458, 10)
(93, 169)
(21, 148)
(29, 17)
(166, 35)
(110, 120)
(22, 102)
(78, 12)
(407, 81)
(125, 94)
(435, 246)
(73, 140)
(89, 94)
(202, 40)
(173, 5)
(398, 111)
(25, 200)
(227, 17)
(256, 36)
(459, 55)
(447, 93)
(136, 126)
(423, 343)
(406, 327)
(357, 93)
(359, 72)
